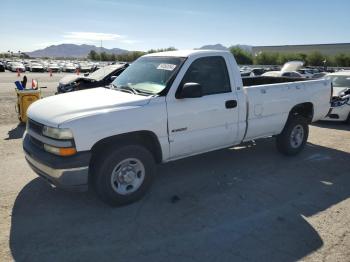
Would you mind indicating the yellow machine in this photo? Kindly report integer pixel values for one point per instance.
(24, 99)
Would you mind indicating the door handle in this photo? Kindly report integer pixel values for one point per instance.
(231, 103)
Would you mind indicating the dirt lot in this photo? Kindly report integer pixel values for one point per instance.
(248, 203)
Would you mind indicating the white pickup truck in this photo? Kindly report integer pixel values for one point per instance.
(163, 107)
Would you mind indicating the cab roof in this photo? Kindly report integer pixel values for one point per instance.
(187, 53)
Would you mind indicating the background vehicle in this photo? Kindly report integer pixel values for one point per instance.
(340, 110)
(341, 81)
(164, 106)
(319, 75)
(53, 67)
(14, 66)
(292, 74)
(36, 67)
(307, 72)
(84, 67)
(2, 67)
(102, 77)
(69, 67)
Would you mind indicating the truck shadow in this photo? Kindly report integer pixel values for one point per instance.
(241, 204)
(17, 132)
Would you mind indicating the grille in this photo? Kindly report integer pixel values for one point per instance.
(34, 126)
(36, 142)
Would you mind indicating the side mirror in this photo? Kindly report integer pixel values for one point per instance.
(190, 90)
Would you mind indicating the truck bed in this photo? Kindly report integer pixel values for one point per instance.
(270, 101)
(266, 80)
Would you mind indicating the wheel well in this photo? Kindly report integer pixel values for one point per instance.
(305, 109)
(145, 138)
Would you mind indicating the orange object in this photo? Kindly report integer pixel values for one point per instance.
(34, 84)
(67, 151)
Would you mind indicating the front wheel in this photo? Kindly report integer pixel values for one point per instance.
(123, 175)
(294, 136)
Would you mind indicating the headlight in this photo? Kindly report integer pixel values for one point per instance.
(57, 133)
(339, 103)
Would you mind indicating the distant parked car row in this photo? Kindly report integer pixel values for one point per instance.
(292, 69)
(49, 66)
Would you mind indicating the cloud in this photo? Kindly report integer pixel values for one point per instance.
(129, 41)
(90, 37)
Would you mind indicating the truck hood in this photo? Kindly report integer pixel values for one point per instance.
(69, 79)
(292, 66)
(55, 110)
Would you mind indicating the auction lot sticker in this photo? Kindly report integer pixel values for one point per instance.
(169, 67)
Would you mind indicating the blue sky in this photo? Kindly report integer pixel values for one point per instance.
(142, 25)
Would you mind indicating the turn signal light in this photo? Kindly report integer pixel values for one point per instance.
(60, 151)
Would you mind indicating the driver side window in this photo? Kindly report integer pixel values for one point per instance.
(211, 73)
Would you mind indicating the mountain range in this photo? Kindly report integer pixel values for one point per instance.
(73, 50)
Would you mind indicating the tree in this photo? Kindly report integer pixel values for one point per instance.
(266, 58)
(93, 55)
(242, 57)
(286, 57)
(342, 60)
(113, 57)
(315, 59)
(104, 56)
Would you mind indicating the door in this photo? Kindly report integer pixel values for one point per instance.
(201, 124)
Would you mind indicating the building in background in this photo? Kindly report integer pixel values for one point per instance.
(326, 49)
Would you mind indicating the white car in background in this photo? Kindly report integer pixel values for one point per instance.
(340, 110)
(45, 64)
(84, 67)
(307, 72)
(14, 66)
(53, 67)
(293, 74)
(69, 67)
(35, 67)
(289, 69)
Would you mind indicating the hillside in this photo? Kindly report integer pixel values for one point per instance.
(72, 50)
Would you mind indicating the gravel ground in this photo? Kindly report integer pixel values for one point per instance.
(247, 203)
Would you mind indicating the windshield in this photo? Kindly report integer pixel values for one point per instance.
(148, 74)
(99, 74)
(340, 81)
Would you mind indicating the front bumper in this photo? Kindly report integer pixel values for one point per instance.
(69, 173)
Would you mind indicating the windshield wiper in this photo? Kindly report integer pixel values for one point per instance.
(132, 90)
(126, 88)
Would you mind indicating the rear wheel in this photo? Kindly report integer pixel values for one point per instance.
(123, 175)
(294, 136)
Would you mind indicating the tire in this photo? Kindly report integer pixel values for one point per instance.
(293, 137)
(111, 186)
